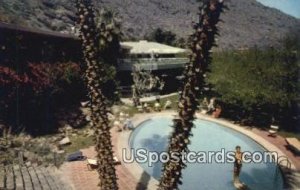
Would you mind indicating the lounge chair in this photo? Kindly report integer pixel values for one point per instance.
(157, 107)
(168, 105)
(273, 130)
(92, 163)
(140, 109)
(75, 156)
(293, 144)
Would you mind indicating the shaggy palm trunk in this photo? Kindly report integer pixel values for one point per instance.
(94, 76)
(202, 40)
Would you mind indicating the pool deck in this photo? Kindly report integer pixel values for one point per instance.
(131, 175)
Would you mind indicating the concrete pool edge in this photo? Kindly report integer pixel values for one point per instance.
(123, 143)
(137, 171)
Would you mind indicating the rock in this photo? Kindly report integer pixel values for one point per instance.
(42, 140)
(49, 4)
(16, 152)
(84, 104)
(26, 154)
(61, 130)
(89, 132)
(60, 151)
(115, 109)
(68, 127)
(65, 141)
(29, 156)
(88, 118)
(28, 164)
(54, 139)
(80, 132)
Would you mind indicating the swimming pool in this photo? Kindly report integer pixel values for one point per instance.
(153, 135)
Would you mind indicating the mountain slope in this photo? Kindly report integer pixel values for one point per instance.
(246, 23)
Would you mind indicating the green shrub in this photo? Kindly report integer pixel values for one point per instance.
(262, 86)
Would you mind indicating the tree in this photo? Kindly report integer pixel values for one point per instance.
(109, 36)
(98, 103)
(202, 41)
(181, 42)
(161, 36)
(263, 85)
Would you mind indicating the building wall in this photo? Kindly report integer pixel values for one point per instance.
(19, 46)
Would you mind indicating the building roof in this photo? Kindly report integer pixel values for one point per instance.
(16, 28)
(145, 47)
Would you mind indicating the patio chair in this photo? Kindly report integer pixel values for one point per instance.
(293, 144)
(273, 130)
(93, 164)
(168, 105)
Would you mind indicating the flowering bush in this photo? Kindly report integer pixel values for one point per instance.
(32, 95)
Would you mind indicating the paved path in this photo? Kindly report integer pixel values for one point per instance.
(293, 178)
(281, 144)
(78, 174)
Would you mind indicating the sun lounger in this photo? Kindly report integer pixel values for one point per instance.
(273, 130)
(140, 109)
(93, 164)
(75, 156)
(293, 144)
(157, 106)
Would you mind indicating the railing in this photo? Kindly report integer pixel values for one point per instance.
(281, 159)
(151, 63)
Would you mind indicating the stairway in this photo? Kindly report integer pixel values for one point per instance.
(19, 177)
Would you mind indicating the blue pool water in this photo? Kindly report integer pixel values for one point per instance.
(153, 135)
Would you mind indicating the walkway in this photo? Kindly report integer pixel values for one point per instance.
(84, 179)
(280, 143)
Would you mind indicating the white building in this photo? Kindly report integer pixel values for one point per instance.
(151, 56)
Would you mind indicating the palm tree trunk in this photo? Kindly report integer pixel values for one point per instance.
(201, 43)
(94, 76)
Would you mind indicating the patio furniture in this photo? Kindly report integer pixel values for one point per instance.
(168, 105)
(293, 144)
(117, 124)
(203, 111)
(147, 108)
(93, 164)
(75, 156)
(157, 107)
(273, 130)
(140, 109)
(128, 124)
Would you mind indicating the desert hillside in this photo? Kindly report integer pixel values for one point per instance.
(246, 23)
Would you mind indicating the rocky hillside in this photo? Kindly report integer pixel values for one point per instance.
(246, 23)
